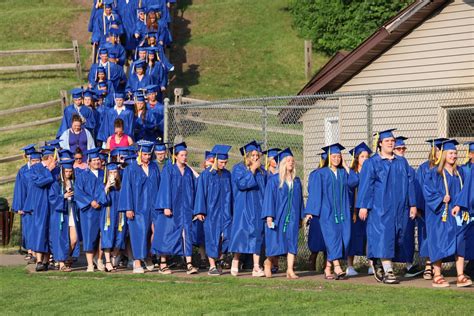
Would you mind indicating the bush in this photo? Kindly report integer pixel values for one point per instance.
(335, 25)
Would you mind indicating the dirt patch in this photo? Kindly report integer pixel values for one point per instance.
(78, 27)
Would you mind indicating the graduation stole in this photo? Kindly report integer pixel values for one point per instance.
(107, 216)
(354, 215)
(288, 208)
(444, 216)
(121, 222)
(103, 21)
(337, 219)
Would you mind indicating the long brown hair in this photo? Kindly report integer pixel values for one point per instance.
(355, 163)
(118, 180)
(135, 109)
(152, 26)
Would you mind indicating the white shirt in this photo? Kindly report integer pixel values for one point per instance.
(95, 172)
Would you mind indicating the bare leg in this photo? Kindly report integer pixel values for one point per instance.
(234, 269)
(437, 267)
(290, 272)
(256, 262)
(72, 238)
(337, 267)
(108, 263)
(459, 265)
(212, 262)
(90, 259)
(350, 261)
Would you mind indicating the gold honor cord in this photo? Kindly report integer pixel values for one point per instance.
(107, 219)
(444, 217)
(121, 222)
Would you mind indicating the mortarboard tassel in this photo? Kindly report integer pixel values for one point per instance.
(376, 141)
(266, 161)
(139, 158)
(440, 155)
(173, 158)
(353, 159)
(245, 154)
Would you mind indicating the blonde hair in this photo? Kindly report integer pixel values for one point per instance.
(432, 157)
(248, 158)
(442, 163)
(283, 173)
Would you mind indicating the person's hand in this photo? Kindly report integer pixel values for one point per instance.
(200, 217)
(137, 35)
(163, 88)
(168, 212)
(447, 198)
(255, 165)
(270, 222)
(363, 212)
(455, 211)
(68, 194)
(95, 205)
(130, 214)
(308, 217)
(21, 212)
(413, 212)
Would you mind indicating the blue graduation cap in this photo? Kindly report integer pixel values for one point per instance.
(253, 145)
(324, 157)
(272, 152)
(54, 143)
(142, 49)
(119, 95)
(333, 149)
(448, 145)
(177, 148)
(113, 166)
(67, 163)
(140, 10)
(436, 141)
(151, 88)
(76, 93)
(103, 51)
(113, 32)
(208, 155)
(360, 148)
(121, 151)
(400, 141)
(29, 149)
(103, 156)
(385, 134)
(160, 146)
(89, 93)
(108, 3)
(48, 150)
(35, 155)
(101, 69)
(283, 154)
(152, 34)
(470, 145)
(140, 64)
(154, 8)
(92, 153)
(145, 146)
(221, 151)
(65, 154)
(153, 49)
(138, 96)
(130, 158)
(113, 55)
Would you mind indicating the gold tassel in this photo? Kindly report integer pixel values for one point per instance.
(120, 227)
(173, 157)
(266, 161)
(139, 158)
(25, 158)
(375, 143)
(214, 165)
(245, 154)
(55, 157)
(466, 160)
(321, 162)
(353, 159)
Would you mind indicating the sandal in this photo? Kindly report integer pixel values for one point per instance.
(164, 270)
(439, 281)
(190, 269)
(329, 276)
(65, 269)
(465, 281)
(428, 273)
(340, 276)
(291, 275)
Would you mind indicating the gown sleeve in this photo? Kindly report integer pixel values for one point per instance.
(244, 179)
(270, 199)
(200, 204)
(365, 196)
(433, 192)
(164, 192)
(82, 194)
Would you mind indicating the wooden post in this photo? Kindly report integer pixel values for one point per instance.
(308, 59)
(178, 95)
(77, 59)
(64, 100)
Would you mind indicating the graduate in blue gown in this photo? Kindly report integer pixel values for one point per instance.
(271, 164)
(90, 197)
(113, 225)
(333, 183)
(156, 69)
(282, 210)
(446, 225)
(213, 206)
(127, 10)
(315, 235)
(114, 47)
(406, 248)
(421, 173)
(104, 22)
(64, 229)
(138, 78)
(110, 115)
(175, 206)
(141, 180)
(77, 107)
(358, 242)
(248, 188)
(145, 126)
(161, 158)
(37, 202)
(20, 192)
(386, 187)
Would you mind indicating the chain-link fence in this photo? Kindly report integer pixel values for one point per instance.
(308, 122)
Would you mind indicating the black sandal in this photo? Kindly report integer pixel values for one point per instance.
(340, 276)
(428, 273)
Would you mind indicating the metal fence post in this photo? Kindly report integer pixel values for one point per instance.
(264, 125)
(370, 133)
(165, 122)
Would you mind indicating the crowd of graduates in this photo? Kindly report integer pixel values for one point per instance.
(145, 203)
(107, 186)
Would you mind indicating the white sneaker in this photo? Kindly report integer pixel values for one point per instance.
(100, 265)
(90, 268)
(150, 266)
(350, 271)
(138, 270)
(258, 273)
(370, 271)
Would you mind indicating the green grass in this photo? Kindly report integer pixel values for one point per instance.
(242, 48)
(81, 293)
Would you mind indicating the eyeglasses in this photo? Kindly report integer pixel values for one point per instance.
(78, 158)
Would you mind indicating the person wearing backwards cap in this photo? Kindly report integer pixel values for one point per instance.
(213, 206)
(465, 201)
(248, 188)
(421, 173)
(64, 230)
(175, 205)
(446, 225)
(386, 187)
(37, 202)
(282, 210)
(406, 245)
(315, 235)
(333, 207)
(20, 192)
(90, 198)
(358, 241)
(85, 113)
(141, 180)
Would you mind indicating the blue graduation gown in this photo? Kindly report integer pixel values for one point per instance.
(421, 173)
(285, 206)
(114, 231)
(445, 239)
(69, 111)
(357, 244)
(119, 50)
(315, 235)
(386, 187)
(102, 25)
(333, 210)
(128, 12)
(248, 190)
(158, 74)
(37, 202)
(465, 200)
(214, 200)
(134, 83)
(138, 194)
(145, 127)
(90, 188)
(107, 127)
(177, 193)
(59, 224)
(20, 193)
